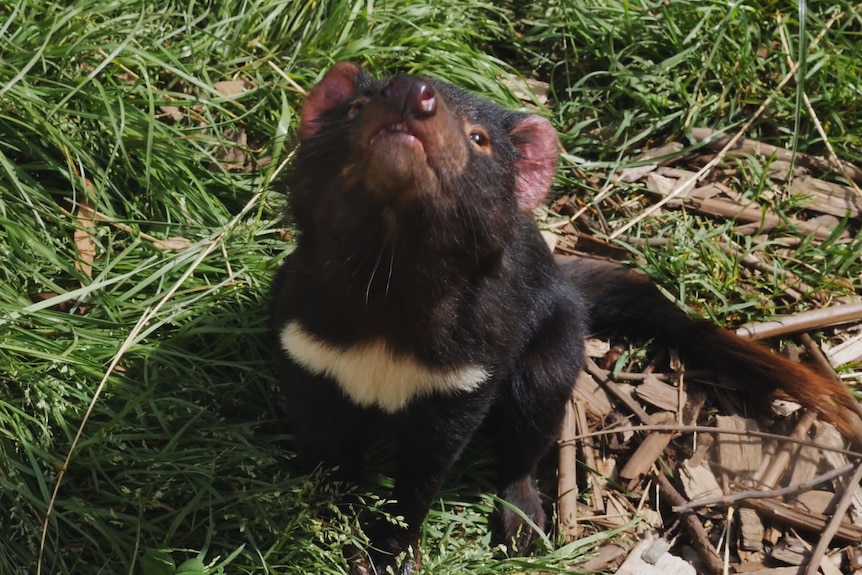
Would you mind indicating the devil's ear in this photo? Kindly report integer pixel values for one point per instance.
(537, 143)
(338, 86)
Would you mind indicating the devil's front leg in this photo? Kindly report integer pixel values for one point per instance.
(330, 431)
(433, 434)
(526, 421)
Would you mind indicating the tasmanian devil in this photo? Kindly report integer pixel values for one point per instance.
(420, 289)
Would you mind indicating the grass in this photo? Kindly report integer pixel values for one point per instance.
(117, 106)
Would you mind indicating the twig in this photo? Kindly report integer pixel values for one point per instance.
(714, 430)
(728, 526)
(716, 140)
(296, 87)
(700, 538)
(589, 453)
(803, 321)
(749, 211)
(818, 358)
(760, 494)
(803, 520)
(729, 247)
(171, 244)
(567, 483)
(604, 379)
(780, 461)
(689, 183)
(634, 376)
(832, 528)
(649, 450)
(651, 242)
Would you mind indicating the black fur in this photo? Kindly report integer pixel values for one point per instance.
(462, 276)
(413, 202)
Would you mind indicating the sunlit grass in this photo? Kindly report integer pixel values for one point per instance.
(117, 106)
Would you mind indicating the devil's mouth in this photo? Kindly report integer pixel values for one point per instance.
(399, 133)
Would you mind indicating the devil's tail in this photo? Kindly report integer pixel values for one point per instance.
(626, 301)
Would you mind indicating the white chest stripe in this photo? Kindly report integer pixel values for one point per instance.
(371, 375)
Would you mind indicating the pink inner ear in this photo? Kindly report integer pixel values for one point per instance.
(336, 87)
(537, 141)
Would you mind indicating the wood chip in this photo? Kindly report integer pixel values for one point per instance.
(596, 348)
(610, 556)
(231, 158)
(740, 454)
(676, 173)
(698, 481)
(652, 558)
(173, 113)
(826, 197)
(777, 464)
(809, 458)
(550, 238)
(791, 551)
(846, 352)
(660, 394)
(83, 236)
(619, 512)
(780, 171)
(772, 571)
(755, 213)
(827, 567)
(750, 530)
(649, 450)
(805, 464)
(231, 88)
(636, 173)
(816, 501)
(665, 151)
(662, 185)
(709, 191)
(591, 458)
(594, 396)
(528, 90)
(173, 243)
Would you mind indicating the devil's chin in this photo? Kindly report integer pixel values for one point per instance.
(398, 170)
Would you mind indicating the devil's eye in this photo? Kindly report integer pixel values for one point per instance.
(480, 138)
(355, 108)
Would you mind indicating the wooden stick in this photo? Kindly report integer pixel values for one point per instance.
(757, 494)
(782, 458)
(803, 321)
(753, 212)
(792, 281)
(817, 357)
(718, 141)
(835, 523)
(589, 454)
(803, 520)
(700, 538)
(603, 377)
(567, 485)
(714, 430)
